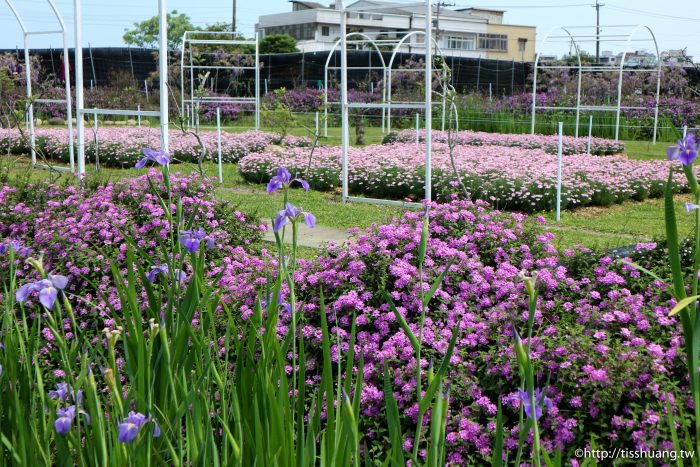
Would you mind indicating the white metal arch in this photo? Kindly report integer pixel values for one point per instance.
(26, 33)
(621, 33)
(365, 40)
(80, 109)
(345, 107)
(658, 78)
(390, 67)
(217, 38)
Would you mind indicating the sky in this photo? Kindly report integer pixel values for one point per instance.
(675, 23)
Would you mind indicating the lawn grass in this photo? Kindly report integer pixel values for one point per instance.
(601, 227)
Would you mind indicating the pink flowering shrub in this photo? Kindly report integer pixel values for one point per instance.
(548, 143)
(506, 177)
(605, 351)
(124, 146)
(81, 232)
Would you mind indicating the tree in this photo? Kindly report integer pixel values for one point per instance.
(278, 44)
(145, 33)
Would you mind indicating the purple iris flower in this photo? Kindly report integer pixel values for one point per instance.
(264, 303)
(65, 418)
(47, 288)
(690, 206)
(191, 239)
(16, 246)
(163, 269)
(290, 214)
(284, 179)
(686, 150)
(159, 157)
(540, 400)
(131, 425)
(63, 391)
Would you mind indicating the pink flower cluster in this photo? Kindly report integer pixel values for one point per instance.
(81, 232)
(123, 146)
(602, 340)
(507, 177)
(548, 143)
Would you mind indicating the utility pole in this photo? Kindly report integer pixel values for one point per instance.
(233, 21)
(436, 22)
(597, 30)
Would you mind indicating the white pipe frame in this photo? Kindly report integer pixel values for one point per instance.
(427, 105)
(29, 112)
(575, 39)
(186, 49)
(81, 111)
(365, 40)
(390, 67)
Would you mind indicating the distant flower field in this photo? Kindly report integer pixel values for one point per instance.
(123, 147)
(508, 177)
(548, 143)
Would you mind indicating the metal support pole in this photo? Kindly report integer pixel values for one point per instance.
(97, 145)
(69, 101)
(29, 112)
(534, 95)
(344, 124)
(317, 122)
(218, 144)
(79, 102)
(559, 162)
(138, 109)
(590, 134)
(428, 98)
(685, 131)
(163, 72)
(619, 99)
(257, 81)
(490, 93)
(145, 85)
(92, 65)
(417, 126)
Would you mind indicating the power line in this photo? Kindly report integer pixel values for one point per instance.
(655, 15)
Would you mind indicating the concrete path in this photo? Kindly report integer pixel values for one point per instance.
(317, 237)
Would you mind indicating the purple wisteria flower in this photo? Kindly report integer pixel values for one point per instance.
(284, 179)
(131, 425)
(65, 418)
(191, 239)
(159, 157)
(290, 214)
(686, 150)
(47, 288)
(163, 269)
(16, 245)
(540, 400)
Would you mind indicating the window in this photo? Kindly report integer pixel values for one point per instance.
(460, 43)
(325, 31)
(493, 42)
(297, 31)
(521, 44)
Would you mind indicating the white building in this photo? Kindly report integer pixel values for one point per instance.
(468, 32)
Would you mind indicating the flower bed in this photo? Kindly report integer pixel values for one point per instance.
(510, 178)
(548, 143)
(604, 343)
(79, 232)
(607, 353)
(124, 146)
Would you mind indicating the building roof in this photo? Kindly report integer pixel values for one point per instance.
(309, 5)
(398, 8)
